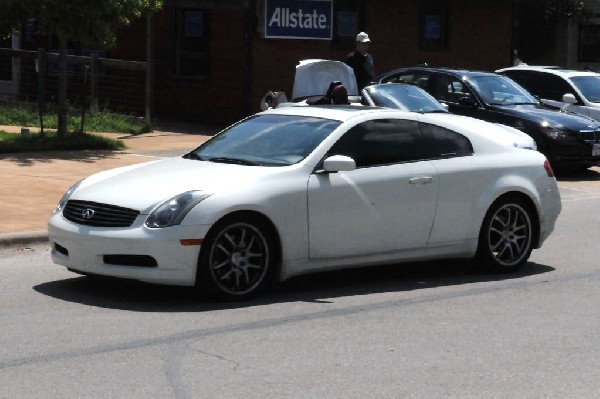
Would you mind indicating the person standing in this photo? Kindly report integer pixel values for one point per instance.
(361, 61)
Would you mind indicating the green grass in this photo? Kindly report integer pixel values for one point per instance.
(25, 114)
(50, 141)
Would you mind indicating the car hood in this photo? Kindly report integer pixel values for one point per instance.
(144, 186)
(314, 76)
(538, 114)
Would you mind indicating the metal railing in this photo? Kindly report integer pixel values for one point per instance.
(94, 83)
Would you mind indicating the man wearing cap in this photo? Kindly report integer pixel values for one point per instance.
(361, 61)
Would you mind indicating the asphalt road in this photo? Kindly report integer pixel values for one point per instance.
(426, 330)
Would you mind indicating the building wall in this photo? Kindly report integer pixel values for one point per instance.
(568, 40)
(479, 37)
(217, 99)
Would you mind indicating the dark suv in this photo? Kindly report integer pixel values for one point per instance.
(566, 139)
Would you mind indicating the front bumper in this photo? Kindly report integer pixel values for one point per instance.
(136, 252)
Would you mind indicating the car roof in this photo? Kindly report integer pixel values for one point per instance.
(335, 112)
(452, 71)
(555, 70)
(480, 132)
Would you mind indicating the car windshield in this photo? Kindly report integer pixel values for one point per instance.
(589, 86)
(266, 140)
(404, 97)
(500, 90)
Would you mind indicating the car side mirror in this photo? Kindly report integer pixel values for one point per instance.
(338, 163)
(569, 98)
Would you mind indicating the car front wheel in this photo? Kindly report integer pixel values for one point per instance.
(237, 259)
(506, 237)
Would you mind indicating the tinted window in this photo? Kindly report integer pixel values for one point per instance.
(446, 143)
(382, 142)
(528, 79)
(552, 87)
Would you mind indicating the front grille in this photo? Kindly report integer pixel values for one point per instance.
(99, 215)
(589, 136)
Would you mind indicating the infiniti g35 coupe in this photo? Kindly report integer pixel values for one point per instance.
(295, 190)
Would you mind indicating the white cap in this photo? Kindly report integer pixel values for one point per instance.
(363, 38)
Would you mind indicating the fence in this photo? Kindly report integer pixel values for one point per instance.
(94, 83)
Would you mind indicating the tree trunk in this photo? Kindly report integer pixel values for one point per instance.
(62, 87)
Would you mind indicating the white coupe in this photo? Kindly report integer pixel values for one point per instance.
(295, 190)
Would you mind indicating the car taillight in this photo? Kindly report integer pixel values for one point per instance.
(548, 168)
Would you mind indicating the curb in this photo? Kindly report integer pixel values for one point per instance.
(30, 237)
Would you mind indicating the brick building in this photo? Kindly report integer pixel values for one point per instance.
(214, 60)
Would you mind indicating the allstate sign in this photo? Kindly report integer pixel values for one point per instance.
(298, 19)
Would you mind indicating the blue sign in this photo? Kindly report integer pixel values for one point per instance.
(294, 19)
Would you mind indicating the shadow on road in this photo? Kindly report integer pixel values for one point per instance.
(35, 158)
(321, 287)
(591, 174)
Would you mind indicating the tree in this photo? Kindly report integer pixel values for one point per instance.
(565, 10)
(83, 21)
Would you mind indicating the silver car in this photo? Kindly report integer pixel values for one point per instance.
(572, 91)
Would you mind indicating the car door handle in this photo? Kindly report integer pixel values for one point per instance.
(420, 180)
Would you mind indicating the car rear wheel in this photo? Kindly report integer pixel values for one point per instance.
(237, 258)
(506, 237)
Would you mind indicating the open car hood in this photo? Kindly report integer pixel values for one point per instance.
(313, 77)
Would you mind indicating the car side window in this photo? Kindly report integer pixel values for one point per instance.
(552, 87)
(449, 89)
(529, 80)
(446, 143)
(419, 79)
(383, 142)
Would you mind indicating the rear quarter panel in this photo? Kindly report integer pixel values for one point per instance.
(470, 185)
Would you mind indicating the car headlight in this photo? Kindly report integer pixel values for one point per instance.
(65, 197)
(553, 131)
(172, 211)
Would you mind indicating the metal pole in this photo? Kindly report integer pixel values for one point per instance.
(41, 70)
(149, 67)
(94, 83)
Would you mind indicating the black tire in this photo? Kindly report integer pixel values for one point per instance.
(237, 259)
(507, 236)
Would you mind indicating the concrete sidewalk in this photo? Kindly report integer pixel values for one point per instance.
(31, 184)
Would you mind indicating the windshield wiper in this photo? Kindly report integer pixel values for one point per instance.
(236, 161)
(194, 156)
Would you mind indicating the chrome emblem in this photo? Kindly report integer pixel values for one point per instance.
(88, 213)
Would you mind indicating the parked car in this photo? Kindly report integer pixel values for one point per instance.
(312, 79)
(566, 139)
(295, 190)
(568, 90)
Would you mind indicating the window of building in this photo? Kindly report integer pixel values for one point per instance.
(589, 43)
(347, 23)
(433, 26)
(192, 43)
